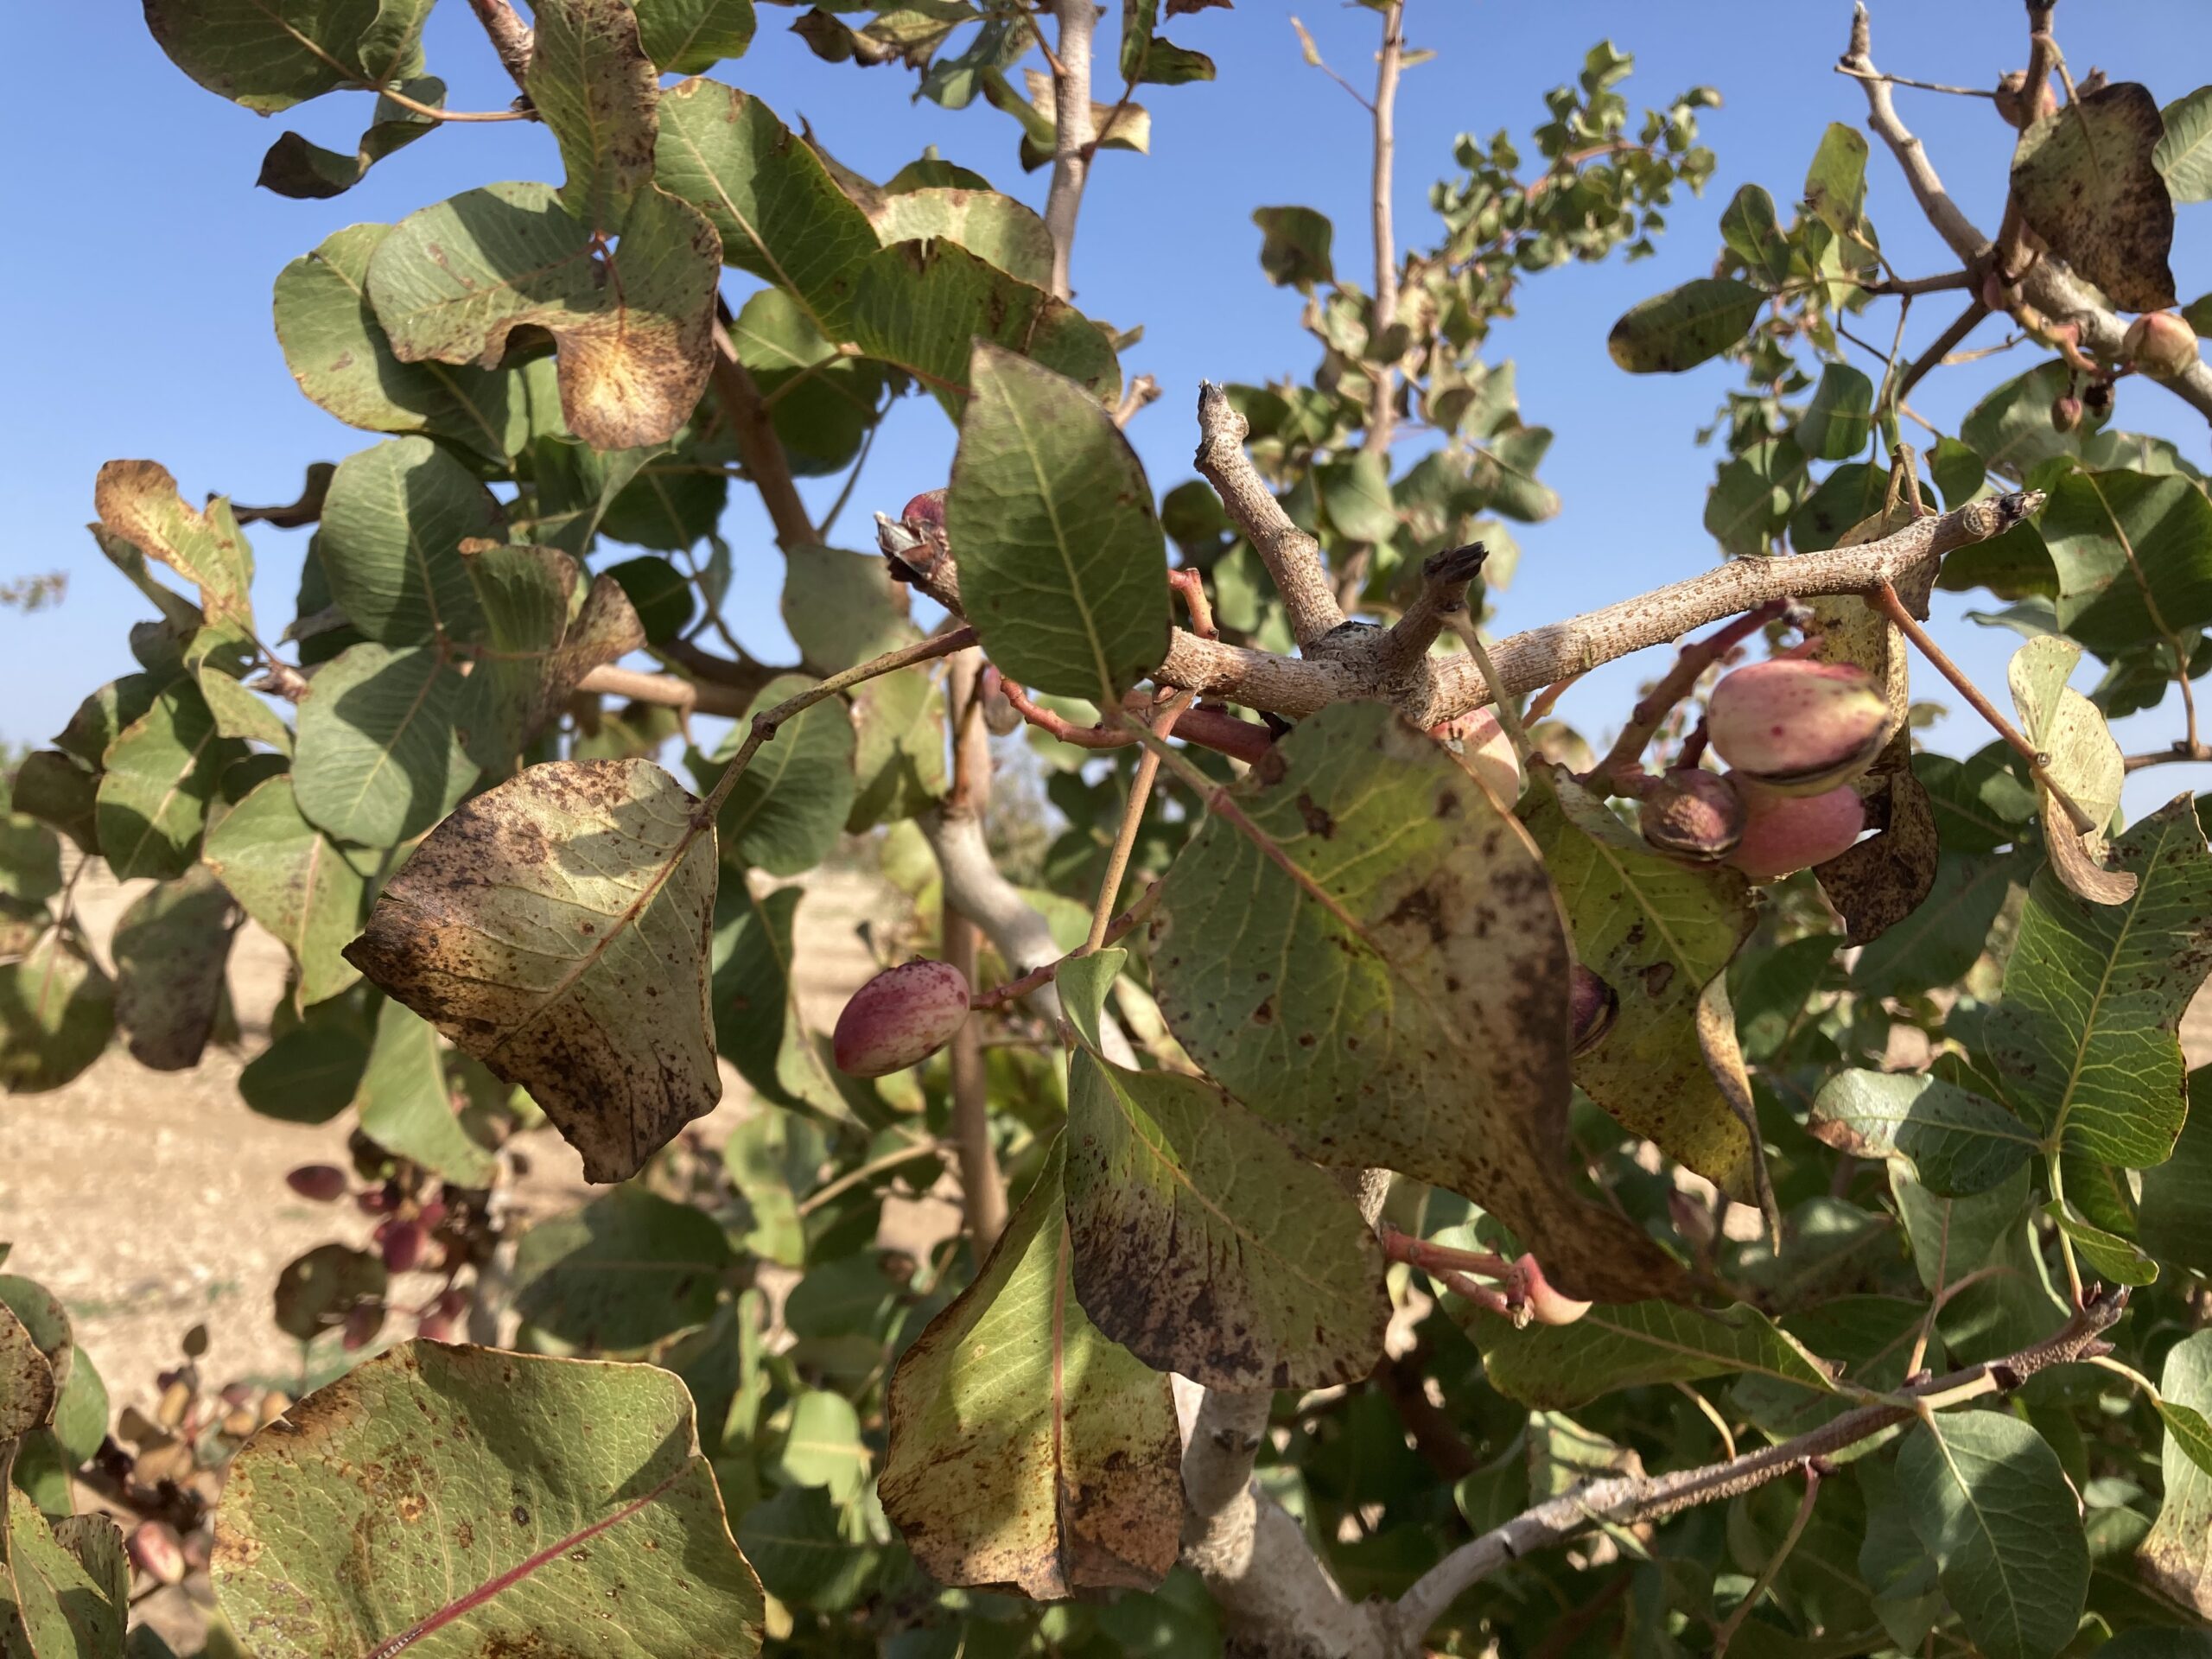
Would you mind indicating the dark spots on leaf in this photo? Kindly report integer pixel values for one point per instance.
(1316, 817)
(520, 1516)
(1656, 978)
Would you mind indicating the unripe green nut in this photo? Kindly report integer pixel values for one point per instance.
(1797, 727)
(900, 1019)
(2161, 344)
(1691, 813)
(1782, 833)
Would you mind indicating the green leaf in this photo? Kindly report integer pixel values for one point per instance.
(380, 758)
(1294, 251)
(1070, 1481)
(1836, 424)
(316, 1291)
(625, 1270)
(2175, 1217)
(2183, 156)
(1945, 937)
(338, 354)
(57, 1011)
(238, 713)
(1064, 571)
(2010, 428)
(1685, 325)
(2087, 181)
(55, 789)
(406, 1106)
(823, 1447)
(1204, 1246)
(780, 215)
(803, 1559)
(30, 858)
(1957, 1142)
(686, 37)
(821, 403)
(787, 810)
(271, 54)
(1551, 1367)
(923, 308)
(757, 1020)
(170, 950)
(1356, 496)
(1847, 496)
(293, 880)
(1657, 932)
(1752, 495)
(2133, 555)
(664, 506)
(161, 772)
(1402, 1000)
(1748, 226)
(555, 927)
(1980, 804)
(2119, 1260)
(1868, 1342)
(843, 608)
(997, 229)
(632, 324)
(393, 521)
(2175, 1556)
(899, 749)
(1990, 1503)
(312, 1072)
(2086, 1039)
(307, 172)
(1836, 183)
(64, 1582)
(658, 593)
(563, 1492)
(1146, 57)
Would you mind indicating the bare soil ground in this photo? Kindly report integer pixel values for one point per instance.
(150, 1202)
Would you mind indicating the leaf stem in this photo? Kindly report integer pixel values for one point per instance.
(1125, 839)
(764, 725)
(1768, 1573)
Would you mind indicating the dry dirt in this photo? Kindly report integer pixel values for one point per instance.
(150, 1202)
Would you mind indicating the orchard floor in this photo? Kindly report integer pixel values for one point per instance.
(150, 1202)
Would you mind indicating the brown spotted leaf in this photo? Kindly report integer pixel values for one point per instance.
(138, 502)
(170, 950)
(1028, 1451)
(2088, 182)
(1203, 1243)
(556, 928)
(1884, 878)
(65, 1581)
(463, 1501)
(26, 1380)
(1397, 995)
(1658, 931)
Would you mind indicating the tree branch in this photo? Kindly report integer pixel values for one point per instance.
(758, 446)
(1074, 135)
(2047, 285)
(1625, 1500)
(512, 38)
(982, 1188)
(1349, 668)
(1292, 557)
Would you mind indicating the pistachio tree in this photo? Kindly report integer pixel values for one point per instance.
(1425, 1185)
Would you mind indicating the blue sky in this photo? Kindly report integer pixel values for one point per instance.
(145, 255)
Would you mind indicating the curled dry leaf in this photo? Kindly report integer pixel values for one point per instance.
(556, 928)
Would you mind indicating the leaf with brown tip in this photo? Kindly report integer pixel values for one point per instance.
(1028, 1451)
(556, 927)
